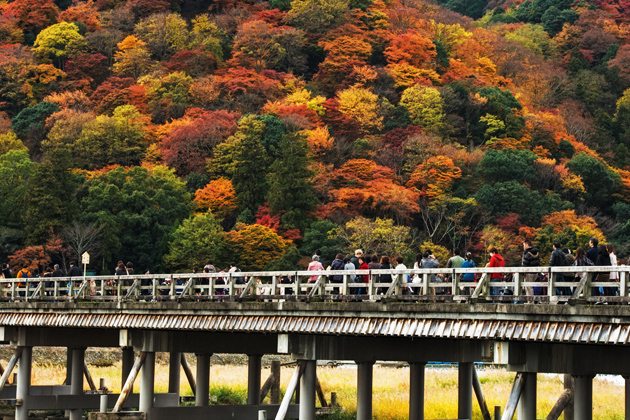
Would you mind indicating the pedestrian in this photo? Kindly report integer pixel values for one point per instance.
(363, 265)
(315, 265)
(558, 259)
(416, 280)
(74, 271)
(593, 251)
(404, 278)
(337, 265)
(456, 260)
(496, 260)
(6, 271)
(355, 260)
(468, 277)
(318, 252)
(384, 278)
(603, 260)
(531, 258)
(348, 265)
(569, 277)
(210, 267)
(429, 261)
(614, 275)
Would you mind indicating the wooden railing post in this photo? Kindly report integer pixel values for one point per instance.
(623, 284)
(517, 284)
(551, 289)
(425, 284)
(455, 282)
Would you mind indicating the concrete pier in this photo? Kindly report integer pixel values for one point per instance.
(76, 384)
(24, 383)
(365, 374)
(583, 398)
(174, 372)
(202, 397)
(307, 390)
(147, 385)
(416, 390)
(527, 402)
(254, 366)
(465, 391)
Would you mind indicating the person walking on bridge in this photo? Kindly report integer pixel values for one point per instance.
(531, 258)
(558, 259)
(496, 260)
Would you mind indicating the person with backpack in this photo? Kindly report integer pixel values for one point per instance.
(496, 260)
(337, 264)
(468, 277)
(24, 273)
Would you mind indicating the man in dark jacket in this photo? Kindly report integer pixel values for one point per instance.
(531, 258)
(592, 252)
(558, 259)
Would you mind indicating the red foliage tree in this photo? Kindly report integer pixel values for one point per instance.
(396, 137)
(144, 8)
(187, 147)
(194, 63)
(116, 91)
(32, 15)
(92, 67)
(342, 126)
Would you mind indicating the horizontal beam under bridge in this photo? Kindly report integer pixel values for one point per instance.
(496, 322)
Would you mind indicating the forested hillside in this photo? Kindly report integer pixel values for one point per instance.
(168, 132)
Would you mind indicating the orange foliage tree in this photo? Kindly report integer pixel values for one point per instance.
(218, 197)
(434, 177)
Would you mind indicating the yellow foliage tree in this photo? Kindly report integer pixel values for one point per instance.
(254, 246)
(319, 141)
(380, 236)
(132, 58)
(362, 106)
(434, 177)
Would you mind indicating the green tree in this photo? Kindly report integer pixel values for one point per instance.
(322, 235)
(196, 240)
(290, 188)
(164, 33)
(511, 197)
(140, 208)
(250, 163)
(554, 19)
(112, 140)
(51, 198)
(601, 184)
(15, 172)
(29, 124)
(507, 165)
(52, 42)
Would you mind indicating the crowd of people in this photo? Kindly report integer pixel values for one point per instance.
(596, 255)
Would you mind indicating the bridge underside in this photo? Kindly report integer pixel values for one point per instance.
(526, 339)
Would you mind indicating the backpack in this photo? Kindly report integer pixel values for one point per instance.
(239, 280)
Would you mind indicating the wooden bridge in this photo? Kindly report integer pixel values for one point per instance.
(565, 330)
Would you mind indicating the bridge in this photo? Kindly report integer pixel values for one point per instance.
(306, 315)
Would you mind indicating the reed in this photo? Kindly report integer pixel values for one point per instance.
(391, 385)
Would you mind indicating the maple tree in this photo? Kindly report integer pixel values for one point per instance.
(218, 197)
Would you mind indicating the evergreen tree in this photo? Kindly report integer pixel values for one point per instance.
(251, 164)
(290, 190)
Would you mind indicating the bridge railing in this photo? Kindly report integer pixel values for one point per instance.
(519, 284)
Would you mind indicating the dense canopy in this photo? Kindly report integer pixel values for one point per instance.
(173, 132)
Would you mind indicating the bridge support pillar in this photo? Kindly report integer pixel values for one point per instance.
(147, 385)
(76, 380)
(127, 364)
(68, 366)
(254, 367)
(365, 374)
(583, 397)
(174, 372)
(23, 388)
(307, 390)
(464, 410)
(416, 390)
(202, 394)
(527, 402)
(627, 393)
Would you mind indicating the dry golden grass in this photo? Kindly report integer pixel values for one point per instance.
(390, 388)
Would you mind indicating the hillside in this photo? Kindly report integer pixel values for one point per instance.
(167, 133)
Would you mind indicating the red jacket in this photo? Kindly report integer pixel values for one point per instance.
(496, 261)
(364, 266)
